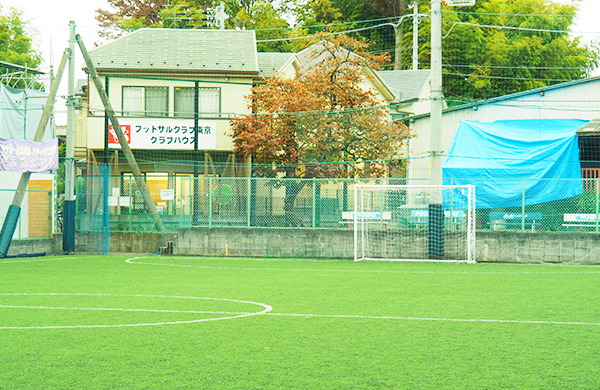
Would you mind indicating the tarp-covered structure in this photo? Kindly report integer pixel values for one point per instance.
(20, 113)
(507, 151)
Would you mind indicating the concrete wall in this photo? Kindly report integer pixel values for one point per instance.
(124, 242)
(565, 248)
(506, 247)
(491, 246)
(50, 246)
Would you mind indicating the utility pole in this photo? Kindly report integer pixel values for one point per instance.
(436, 210)
(69, 204)
(398, 34)
(437, 95)
(415, 55)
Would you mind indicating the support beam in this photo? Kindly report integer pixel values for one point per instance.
(149, 202)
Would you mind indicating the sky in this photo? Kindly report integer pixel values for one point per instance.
(51, 20)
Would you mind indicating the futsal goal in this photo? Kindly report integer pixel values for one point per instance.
(414, 223)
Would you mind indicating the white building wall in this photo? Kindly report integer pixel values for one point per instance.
(577, 101)
(232, 102)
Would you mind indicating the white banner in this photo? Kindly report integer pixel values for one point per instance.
(169, 134)
(28, 156)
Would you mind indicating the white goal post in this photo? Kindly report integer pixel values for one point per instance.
(414, 223)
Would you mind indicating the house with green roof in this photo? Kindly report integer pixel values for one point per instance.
(411, 88)
(282, 63)
(164, 82)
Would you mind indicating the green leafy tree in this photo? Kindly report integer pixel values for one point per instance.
(498, 47)
(16, 45)
(261, 15)
(347, 15)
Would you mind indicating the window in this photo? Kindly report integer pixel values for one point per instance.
(209, 102)
(146, 101)
(133, 103)
(184, 102)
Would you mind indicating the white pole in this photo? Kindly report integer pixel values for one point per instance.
(436, 95)
(70, 147)
(415, 54)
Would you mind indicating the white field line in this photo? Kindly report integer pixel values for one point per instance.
(436, 319)
(122, 309)
(229, 315)
(27, 260)
(246, 314)
(133, 261)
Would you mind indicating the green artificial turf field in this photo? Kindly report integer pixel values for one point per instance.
(118, 322)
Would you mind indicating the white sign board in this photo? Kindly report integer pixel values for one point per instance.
(124, 201)
(167, 194)
(169, 134)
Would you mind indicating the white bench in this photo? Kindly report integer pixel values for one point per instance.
(377, 217)
(579, 220)
(501, 220)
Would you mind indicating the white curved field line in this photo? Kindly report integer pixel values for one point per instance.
(133, 261)
(230, 315)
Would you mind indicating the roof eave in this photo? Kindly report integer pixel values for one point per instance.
(250, 73)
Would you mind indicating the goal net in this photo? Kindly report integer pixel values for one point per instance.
(414, 223)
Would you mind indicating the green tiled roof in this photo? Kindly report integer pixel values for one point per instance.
(178, 50)
(270, 63)
(406, 84)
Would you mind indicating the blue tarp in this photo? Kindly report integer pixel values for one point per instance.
(509, 151)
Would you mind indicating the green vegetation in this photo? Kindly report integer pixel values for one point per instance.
(333, 324)
(16, 43)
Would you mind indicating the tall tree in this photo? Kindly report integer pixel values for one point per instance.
(324, 123)
(499, 47)
(355, 15)
(130, 15)
(16, 45)
(262, 16)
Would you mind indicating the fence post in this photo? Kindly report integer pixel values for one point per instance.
(523, 208)
(50, 224)
(210, 201)
(248, 201)
(597, 201)
(314, 202)
(451, 206)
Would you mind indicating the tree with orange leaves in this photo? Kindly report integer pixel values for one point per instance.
(325, 115)
(325, 123)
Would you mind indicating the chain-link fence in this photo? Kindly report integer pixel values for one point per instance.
(108, 203)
